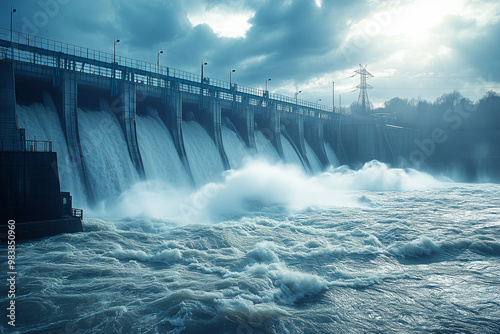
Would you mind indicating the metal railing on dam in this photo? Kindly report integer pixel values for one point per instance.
(27, 145)
(38, 145)
(45, 52)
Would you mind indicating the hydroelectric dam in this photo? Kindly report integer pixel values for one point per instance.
(116, 121)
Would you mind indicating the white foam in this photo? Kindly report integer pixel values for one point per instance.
(288, 285)
(423, 246)
(377, 176)
(169, 255)
(264, 252)
(258, 186)
(295, 285)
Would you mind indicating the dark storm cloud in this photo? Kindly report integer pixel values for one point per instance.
(294, 42)
(187, 51)
(294, 39)
(150, 23)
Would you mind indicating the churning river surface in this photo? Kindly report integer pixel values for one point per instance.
(268, 249)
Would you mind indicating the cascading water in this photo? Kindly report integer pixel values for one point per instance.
(159, 155)
(42, 123)
(110, 171)
(291, 155)
(332, 157)
(109, 168)
(235, 149)
(316, 165)
(265, 148)
(203, 156)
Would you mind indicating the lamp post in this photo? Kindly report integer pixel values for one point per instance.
(202, 83)
(333, 96)
(114, 50)
(318, 101)
(296, 100)
(266, 83)
(202, 64)
(158, 59)
(296, 94)
(12, 11)
(114, 56)
(231, 71)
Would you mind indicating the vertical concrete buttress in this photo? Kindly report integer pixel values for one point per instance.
(214, 125)
(69, 119)
(250, 120)
(175, 128)
(317, 142)
(298, 139)
(244, 122)
(341, 153)
(129, 107)
(275, 122)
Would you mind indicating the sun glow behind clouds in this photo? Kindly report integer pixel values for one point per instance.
(225, 22)
(408, 23)
(414, 21)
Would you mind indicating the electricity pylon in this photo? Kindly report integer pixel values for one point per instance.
(363, 101)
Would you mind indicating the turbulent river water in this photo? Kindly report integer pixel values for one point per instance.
(268, 249)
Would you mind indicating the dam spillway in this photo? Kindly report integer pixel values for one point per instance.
(116, 121)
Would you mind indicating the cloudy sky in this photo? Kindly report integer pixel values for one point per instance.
(421, 48)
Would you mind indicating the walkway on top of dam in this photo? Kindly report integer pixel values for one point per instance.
(41, 53)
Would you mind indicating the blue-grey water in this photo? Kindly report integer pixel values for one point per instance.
(377, 250)
(264, 248)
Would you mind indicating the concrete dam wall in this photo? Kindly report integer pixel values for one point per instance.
(106, 143)
(115, 121)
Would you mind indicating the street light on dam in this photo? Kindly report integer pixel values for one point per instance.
(202, 65)
(297, 94)
(158, 59)
(231, 71)
(266, 83)
(12, 11)
(114, 50)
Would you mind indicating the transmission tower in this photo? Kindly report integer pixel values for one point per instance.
(363, 101)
